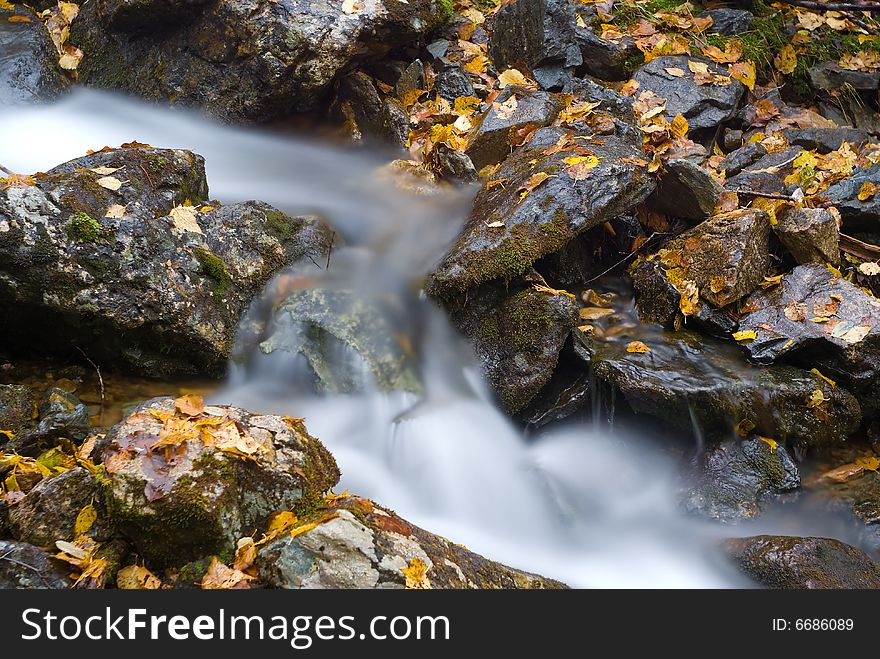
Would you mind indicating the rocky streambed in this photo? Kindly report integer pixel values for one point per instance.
(671, 228)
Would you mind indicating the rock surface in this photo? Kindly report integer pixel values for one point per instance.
(60, 416)
(810, 234)
(240, 59)
(844, 196)
(191, 499)
(157, 290)
(25, 566)
(29, 68)
(686, 190)
(787, 562)
(366, 546)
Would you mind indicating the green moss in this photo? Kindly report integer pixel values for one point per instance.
(214, 267)
(84, 228)
(526, 320)
(447, 9)
(625, 14)
(279, 225)
(633, 62)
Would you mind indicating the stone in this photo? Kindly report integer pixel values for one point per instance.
(25, 566)
(157, 291)
(829, 76)
(733, 479)
(670, 383)
(844, 195)
(826, 140)
(704, 106)
(384, 118)
(767, 174)
(29, 70)
(17, 408)
(810, 234)
(48, 512)
(546, 219)
(241, 60)
(686, 190)
(61, 416)
(452, 81)
(367, 546)
(514, 108)
(789, 562)
(729, 22)
(608, 60)
(743, 157)
(195, 499)
(518, 333)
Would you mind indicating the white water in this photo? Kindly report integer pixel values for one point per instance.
(580, 504)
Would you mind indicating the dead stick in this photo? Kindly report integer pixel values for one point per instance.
(5, 557)
(6, 171)
(768, 195)
(100, 381)
(859, 248)
(330, 250)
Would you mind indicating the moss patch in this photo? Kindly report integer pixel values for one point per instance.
(213, 266)
(279, 225)
(83, 228)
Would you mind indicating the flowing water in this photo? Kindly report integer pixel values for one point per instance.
(590, 506)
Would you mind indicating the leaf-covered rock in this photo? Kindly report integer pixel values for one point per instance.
(29, 68)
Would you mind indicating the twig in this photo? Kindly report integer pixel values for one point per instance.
(330, 250)
(5, 557)
(625, 258)
(768, 195)
(832, 6)
(100, 381)
(147, 174)
(862, 24)
(858, 248)
(6, 171)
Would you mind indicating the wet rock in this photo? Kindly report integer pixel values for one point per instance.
(452, 81)
(704, 106)
(686, 190)
(518, 333)
(729, 22)
(137, 16)
(743, 157)
(381, 117)
(514, 108)
(29, 68)
(690, 380)
(154, 291)
(544, 220)
(25, 566)
(787, 562)
(195, 500)
(826, 140)
(366, 546)
(241, 59)
(810, 234)
(61, 416)
(734, 478)
(617, 105)
(844, 195)
(48, 512)
(457, 165)
(17, 408)
(829, 76)
(845, 111)
(608, 60)
(727, 255)
(846, 345)
(536, 36)
(766, 174)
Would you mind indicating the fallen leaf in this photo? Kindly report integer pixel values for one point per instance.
(744, 427)
(856, 334)
(137, 577)
(190, 405)
(184, 219)
(579, 166)
(85, 520)
(769, 442)
(534, 181)
(844, 473)
(816, 398)
(637, 347)
(512, 77)
(689, 304)
(678, 127)
(223, 577)
(786, 60)
(816, 371)
(744, 72)
(870, 268)
(109, 182)
(105, 171)
(115, 211)
(871, 463)
(675, 71)
(745, 335)
(595, 313)
(245, 554)
(416, 574)
(867, 191)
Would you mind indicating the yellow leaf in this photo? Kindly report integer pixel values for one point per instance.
(9, 434)
(856, 334)
(871, 463)
(222, 577)
(733, 50)
(579, 166)
(137, 577)
(410, 96)
(84, 520)
(816, 371)
(305, 528)
(745, 335)
(184, 218)
(786, 61)
(534, 181)
(512, 77)
(867, 191)
(679, 126)
(744, 72)
(816, 398)
(109, 182)
(870, 268)
(637, 347)
(744, 427)
(769, 442)
(416, 574)
(245, 554)
(115, 211)
(689, 304)
(190, 405)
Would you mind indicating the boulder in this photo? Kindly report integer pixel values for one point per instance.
(25, 566)
(128, 277)
(729, 22)
(363, 545)
(489, 142)
(241, 60)
(767, 174)
(733, 479)
(810, 234)
(48, 512)
(61, 416)
(788, 562)
(670, 382)
(544, 220)
(29, 68)
(686, 190)
(219, 473)
(381, 117)
(820, 318)
(829, 76)
(536, 36)
(608, 60)
(18, 407)
(518, 333)
(826, 140)
(452, 81)
(704, 106)
(844, 195)
(743, 157)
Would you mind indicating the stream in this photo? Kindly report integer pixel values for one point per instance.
(589, 504)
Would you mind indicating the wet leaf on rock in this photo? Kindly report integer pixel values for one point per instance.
(137, 577)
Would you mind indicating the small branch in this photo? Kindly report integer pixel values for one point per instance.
(768, 195)
(149, 179)
(330, 250)
(859, 249)
(100, 381)
(832, 6)
(6, 171)
(625, 258)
